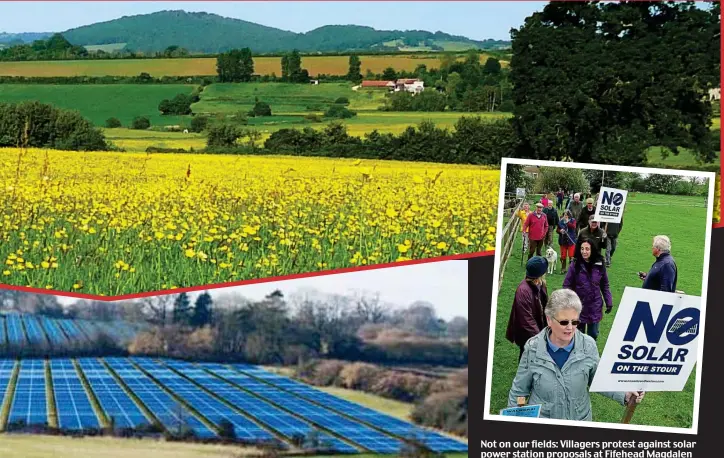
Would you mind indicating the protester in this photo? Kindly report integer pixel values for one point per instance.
(664, 273)
(559, 363)
(612, 230)
(559, 200)
(553, 219)
(588, 278)
(537, 227)
(586, 213)
(544, 200)
(575, 206)
(531, 297)
(566, 238)
(595, 234)
(523, 215)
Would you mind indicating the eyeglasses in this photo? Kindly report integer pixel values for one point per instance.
(565, 322)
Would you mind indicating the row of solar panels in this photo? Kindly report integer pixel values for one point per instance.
(23, 330)
(259, 405)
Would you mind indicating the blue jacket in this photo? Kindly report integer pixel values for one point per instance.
(663, 274)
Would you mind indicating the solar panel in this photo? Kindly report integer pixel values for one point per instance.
(355, 432)
(55, 335)
(16, 336)
(284, 423)
(214, 410)
(29, 404)
(6, 372)
(72, 405)
(113, 399)
(435, 441)
(2, 331)
(169, 412)
(35, 333)
(71, 330)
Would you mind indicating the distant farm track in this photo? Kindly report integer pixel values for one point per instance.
(330, 65)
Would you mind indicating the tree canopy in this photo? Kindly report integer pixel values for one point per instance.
(602, 82)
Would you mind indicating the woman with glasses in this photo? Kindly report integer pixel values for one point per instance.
(588, 278)
(559, 363)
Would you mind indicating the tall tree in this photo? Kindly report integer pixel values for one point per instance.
(202, 310)
(235, 66)
(182, 309)
(292, 70)
(602, 82)
(354, 73)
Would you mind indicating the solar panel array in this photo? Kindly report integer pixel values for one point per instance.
(214, 410)
(113, 399)
(168, 411)
(356, 432)
(21, 330)
(29, 404)
(284, 423)
(435, 441)
(71, 400)
(261, 406)
(6, 373)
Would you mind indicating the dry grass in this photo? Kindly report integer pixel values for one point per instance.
(331, 65)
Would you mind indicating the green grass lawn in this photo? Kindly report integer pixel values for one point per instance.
(98, 102)
(683, 219)
(685, 158)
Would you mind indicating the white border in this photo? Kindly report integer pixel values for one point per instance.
(496, 275)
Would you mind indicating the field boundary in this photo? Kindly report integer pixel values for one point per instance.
(9, 396)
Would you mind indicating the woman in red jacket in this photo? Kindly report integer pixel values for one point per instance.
(526, 316)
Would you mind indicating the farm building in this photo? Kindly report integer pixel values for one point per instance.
(531, 170)
(414, 86)
(715, 94)
(378, 84)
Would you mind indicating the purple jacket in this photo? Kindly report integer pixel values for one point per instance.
(589, 285)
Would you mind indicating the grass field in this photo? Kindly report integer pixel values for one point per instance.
(115, 223)
(32, 446)
(100, 102)
(683, 219)
(329, 65)
(685, 158)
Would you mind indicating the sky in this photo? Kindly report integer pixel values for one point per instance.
(476, 20)
(443, 284)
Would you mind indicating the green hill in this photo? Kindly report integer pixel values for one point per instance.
(210, 33)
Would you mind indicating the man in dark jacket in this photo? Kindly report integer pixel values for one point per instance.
(612, 231)
(595, 234)
(587, 213)
(553, 219)
(526, 315)
(663, 273)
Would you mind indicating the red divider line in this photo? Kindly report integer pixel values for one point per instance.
(245, 282)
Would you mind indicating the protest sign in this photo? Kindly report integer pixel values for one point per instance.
(653, 343)
(610, 205)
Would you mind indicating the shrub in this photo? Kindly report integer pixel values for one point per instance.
(313, 117)
(179, 105)
(261, 109)
(327, 373)
(113, 123)
(359, 376)
(140, 123)
(199, 123)
(222, 135)
(339, 111)
(446, 410)
(342, 100)
(402, 386)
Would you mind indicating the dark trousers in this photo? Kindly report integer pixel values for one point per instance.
(611, 243)
(589, 328)
(535, 245)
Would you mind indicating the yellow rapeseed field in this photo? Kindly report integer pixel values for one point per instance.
(717, 200)
(118, 223)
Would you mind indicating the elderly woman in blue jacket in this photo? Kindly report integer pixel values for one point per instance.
(559, 363)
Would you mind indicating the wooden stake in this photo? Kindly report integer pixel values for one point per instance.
(630, 408)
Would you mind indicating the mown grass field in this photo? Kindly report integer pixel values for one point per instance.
(115, 223)
(100, 102)
(683, 219)
(328, 65)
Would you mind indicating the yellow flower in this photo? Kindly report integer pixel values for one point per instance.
(442, 246)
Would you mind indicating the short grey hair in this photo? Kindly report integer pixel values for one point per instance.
(577, 195)
(562, 299)
(662, 243)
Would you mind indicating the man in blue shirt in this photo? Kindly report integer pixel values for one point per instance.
(663, 273)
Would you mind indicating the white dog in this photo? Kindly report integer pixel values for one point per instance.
(552, 258)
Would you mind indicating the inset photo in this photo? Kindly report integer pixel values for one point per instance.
(599, 295)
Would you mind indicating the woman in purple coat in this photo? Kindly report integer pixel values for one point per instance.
(588, 278)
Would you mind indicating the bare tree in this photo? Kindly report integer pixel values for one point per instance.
(369, 308)
(156, 308)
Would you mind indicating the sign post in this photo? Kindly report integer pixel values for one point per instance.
(520, 193)
(610, 205)
(652, 345)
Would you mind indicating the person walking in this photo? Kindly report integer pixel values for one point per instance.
(531, 297)
(559, 364)
(544, 200)
(523, 215)
(575, 206)
(552, 215)
(663, 273)
(537, 227)
(586, 213)
(612, 230)
(588, 278)
(559, 200)
(567, 238)
(595, 234)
